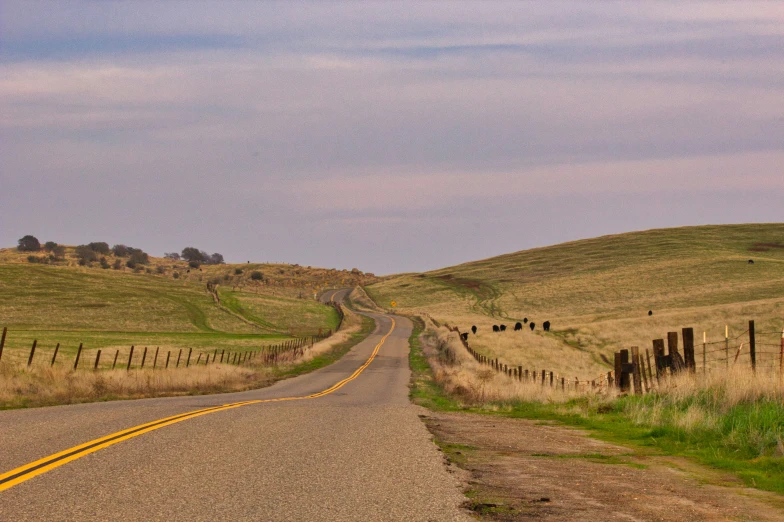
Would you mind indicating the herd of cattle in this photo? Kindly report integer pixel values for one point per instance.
(502, 327)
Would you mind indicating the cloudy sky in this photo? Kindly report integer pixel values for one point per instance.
(389, 137)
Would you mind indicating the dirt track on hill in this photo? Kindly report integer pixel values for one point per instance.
(521, 469)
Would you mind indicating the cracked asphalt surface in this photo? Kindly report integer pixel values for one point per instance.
(360, 453)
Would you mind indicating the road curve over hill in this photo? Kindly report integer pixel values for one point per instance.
(358, 452)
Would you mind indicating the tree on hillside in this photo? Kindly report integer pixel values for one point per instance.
(49, 246)
(29, 244)
(174, 256)
(120, 250)
(100, 248)
(216, 259)
(193, 254)
(138, 257)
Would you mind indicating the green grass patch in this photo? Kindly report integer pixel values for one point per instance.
(423, 388)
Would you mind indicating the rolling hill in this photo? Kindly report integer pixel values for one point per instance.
(597, 293)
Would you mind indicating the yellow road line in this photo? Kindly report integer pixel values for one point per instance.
(28, 471)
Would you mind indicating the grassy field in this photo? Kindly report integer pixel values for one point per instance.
(597, 294)
(113, 309)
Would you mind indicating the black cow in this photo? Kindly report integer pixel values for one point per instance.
(473, 329)
(495, 328)
(503, 327)
(532, 325)
(525, 320)
(464, 336)
(751, 261)
(650, 313)
(546, 326)
(518, 327)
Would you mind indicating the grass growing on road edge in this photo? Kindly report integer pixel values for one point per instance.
(424, 390)
(327, 358)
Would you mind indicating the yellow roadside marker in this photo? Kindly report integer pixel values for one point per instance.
(28, 471)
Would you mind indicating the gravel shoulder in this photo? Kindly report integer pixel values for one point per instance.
(520, 469)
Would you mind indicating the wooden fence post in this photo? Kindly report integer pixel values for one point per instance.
(97, 360)
(636, 370)
(610, 382)
(563, 384)
(188, 360)
(155, 360)
(214, 355)
(116, 355)
(752, 346)
(688, 349)
(650, 371)
(781, 358)
(78, 354)
(54, 357)
(526, 375)
(179, 356)
(32, 353)
(727, 344)
(198, 360)
(130, 359)
(543, 376)
(704, 353)
(644, 376)
(659, 358)
(144, 357)
(168, 355)
(2, 341)
(222, 352)
(519, 373)
(672, 350)
(618, 369)
(625, 384)
(551, 379)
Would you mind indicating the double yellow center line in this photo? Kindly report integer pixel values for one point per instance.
(28, 471)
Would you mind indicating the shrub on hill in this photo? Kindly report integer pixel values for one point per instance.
(49, 246)
(172, 255)
(85, 254)
(29, 244)
(120, 250)
(117, 264)
(193, 254)
(138, 256)
(100, 248)
(256, 276)
(104, 263)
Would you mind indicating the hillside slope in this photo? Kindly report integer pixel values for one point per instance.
(597, 292)
(164, 303)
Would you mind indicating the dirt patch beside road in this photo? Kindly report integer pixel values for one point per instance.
(521, 469)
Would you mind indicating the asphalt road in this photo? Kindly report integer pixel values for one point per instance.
(359, 453)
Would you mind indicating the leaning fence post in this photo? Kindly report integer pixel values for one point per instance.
(97, 359)
(155, 360)
(752, 346)
(2, 341)
(179, 355)
(54, 357)
(168, 356)
(130, 359)
(78, 354)
(144, 357)
(222, 352)
(188, 360)
(660, 358)
(32, 352)
(116, 355)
